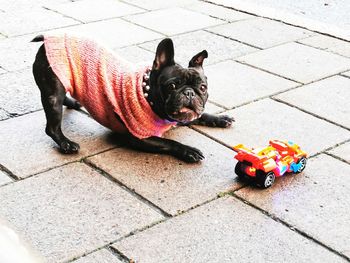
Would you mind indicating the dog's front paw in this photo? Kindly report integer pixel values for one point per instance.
(210, 120)
(189, 154)
(69, 147)
(224, 121)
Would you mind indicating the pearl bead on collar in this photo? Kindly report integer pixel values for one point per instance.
(145, 85)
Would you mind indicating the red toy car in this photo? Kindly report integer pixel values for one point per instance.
(265, 164)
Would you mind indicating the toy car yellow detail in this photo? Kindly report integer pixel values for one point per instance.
(265, 164)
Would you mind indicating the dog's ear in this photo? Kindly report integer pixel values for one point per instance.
(164, 54)
(197, 60)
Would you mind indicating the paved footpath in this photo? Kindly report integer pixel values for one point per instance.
(111, 204)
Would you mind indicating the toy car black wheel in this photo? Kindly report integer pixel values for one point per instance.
(239, 170)
(302, 163)
(264, 180)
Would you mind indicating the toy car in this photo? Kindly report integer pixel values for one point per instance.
(265, 164)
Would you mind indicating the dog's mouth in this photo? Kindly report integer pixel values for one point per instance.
(185, 114)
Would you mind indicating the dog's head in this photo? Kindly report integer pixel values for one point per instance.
(178, 94)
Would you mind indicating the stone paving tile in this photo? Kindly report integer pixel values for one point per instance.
(167, 182)
(4, 179)
(26, 135)
(316, 201)
(18, 92)
(113, 32)
(3, 115)
(212, 108)
(72, 210)
(232, 83)
(135, 54)
(160, 4)
(342, 151)
(229, 15)
(30, 21)
(330, 44)
(101, 256)
(225, 230)
(261, 121)
(219, 48)
(174, 20)
(90, 10)
(328, 98)
(298, 62)
(18, 52)
(261, 32)
(25, 5)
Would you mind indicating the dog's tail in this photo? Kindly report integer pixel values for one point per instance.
(38, 38)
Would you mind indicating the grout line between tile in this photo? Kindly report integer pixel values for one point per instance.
(345, 76)
(320, 48)
(211, 137)
(336, 157)
(136, 24)
(229, 21)
(4, 35)
(6, 71)
(219, 105)
(273, 73)
(234, 39)
(117, 240)
(41, 31)
(274, 19)
(296, 81)
(15, 115)
(126, 2)
(50, 168)
(140, 230)
(8, 115)
(127, 189)
(119, 254)
(210, 15)
(102, 19)
(9, 174)
(310, 113)
(325, 151)
(107, 246)
(260, 48)
(291, 227)
(64, 15)
(177, 34)
(254, 100)
(139, 45)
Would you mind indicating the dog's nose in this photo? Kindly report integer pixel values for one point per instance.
(189, 93)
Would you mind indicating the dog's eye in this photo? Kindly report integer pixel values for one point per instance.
(172, 86)
(203, 88)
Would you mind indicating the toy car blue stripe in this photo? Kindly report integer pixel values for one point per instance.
(295, 167)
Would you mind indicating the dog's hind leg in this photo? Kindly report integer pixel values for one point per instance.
(52, 97)
(71, 103)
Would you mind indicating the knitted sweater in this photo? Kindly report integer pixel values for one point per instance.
(105, 84)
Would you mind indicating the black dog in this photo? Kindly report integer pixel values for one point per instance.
(175, 94)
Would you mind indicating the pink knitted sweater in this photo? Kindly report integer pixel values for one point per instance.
(104, 84)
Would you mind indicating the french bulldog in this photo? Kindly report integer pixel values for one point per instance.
(175, 94)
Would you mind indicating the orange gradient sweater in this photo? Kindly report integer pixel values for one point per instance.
(105, 84)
